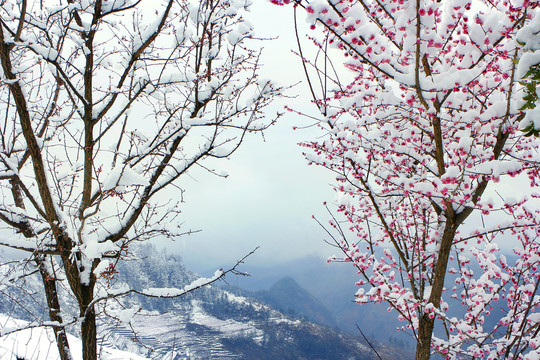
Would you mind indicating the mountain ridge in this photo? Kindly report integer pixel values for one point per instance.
(288, 296)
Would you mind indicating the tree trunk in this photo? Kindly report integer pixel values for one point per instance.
(425, 323)
(425, 331)
(84, 293)
(88, 314)
(49, 283)
(89, 335)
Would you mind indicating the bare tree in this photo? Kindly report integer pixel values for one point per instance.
(106, 104)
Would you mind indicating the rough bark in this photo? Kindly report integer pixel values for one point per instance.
(427, 324)
(88, 326)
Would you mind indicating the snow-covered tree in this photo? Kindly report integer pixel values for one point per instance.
(433, 175)
(106, 104)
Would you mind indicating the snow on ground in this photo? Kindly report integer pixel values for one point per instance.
(282, 320)
(245, 301)
(236, 299)
(38, 343)
(229, 327)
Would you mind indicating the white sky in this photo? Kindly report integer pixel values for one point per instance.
(271, 193)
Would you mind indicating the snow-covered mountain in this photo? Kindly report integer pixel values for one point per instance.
(199, 330)
(211, 323)
(333, 286)
(218, 323)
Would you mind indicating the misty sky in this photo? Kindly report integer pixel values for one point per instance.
(271, 192)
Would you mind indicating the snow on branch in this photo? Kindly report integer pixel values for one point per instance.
(168, 293)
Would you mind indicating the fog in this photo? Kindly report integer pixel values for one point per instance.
(271, 193)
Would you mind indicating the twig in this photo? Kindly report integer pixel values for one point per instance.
(365, 338)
